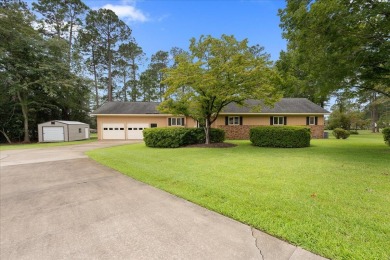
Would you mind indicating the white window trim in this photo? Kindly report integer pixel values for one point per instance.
(233, 118)
(177, 119)
(314, 120)
(278, 120)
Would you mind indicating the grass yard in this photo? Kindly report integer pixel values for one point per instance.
(4, 147)
(332, 198)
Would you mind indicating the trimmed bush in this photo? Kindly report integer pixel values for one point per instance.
(164, 137)
(353, 132)
(174, 137)
(340, 133)
(386, 135)
(280, 136)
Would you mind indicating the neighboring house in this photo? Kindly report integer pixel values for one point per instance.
(126, 120)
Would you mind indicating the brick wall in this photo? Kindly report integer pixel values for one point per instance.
(241, 132)
(317, 131)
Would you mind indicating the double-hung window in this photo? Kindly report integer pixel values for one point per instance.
(312, 120)
(176, 121)
(234, 120)
(278, 120)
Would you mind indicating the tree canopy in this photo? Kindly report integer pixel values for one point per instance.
(36, 81)
(215, 73)
(335, 44)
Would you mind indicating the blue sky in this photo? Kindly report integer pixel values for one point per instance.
(163, 24)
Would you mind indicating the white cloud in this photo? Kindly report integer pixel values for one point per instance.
(128, 12)
(129, 2)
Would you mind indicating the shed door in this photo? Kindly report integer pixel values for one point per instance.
(134, 131)
(86, 133)
(114, 131)
(53, 133)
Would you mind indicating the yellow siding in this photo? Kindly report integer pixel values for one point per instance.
(161, 121)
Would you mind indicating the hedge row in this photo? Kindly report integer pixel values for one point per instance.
(174, 137)
(280, 136)
(386, 135)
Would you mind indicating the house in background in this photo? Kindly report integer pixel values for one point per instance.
(126, 120)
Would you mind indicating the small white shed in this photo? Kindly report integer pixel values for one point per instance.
(62, 131)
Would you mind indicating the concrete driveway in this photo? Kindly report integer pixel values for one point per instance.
(55, 203)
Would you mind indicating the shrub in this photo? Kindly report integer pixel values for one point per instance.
(174, 137)
(386, 135)
(353, 132)
(341, 133)
(280, 136)
(164, 137)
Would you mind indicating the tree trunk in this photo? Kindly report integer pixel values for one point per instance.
(124, 87)
(23, 104)
(6, 136)
(95, 80)
(134, 87)
(374, 114)
(207, 131)
(70, 42)
(109, 71)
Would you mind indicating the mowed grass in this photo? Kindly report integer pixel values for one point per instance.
(3, 147)
(332, 198)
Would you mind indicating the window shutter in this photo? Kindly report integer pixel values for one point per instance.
(271, 120)
(307, 120)
(316, 120)
(182, 121)
(169, 121)
(226, 120)
(285, 120)
(240, 120)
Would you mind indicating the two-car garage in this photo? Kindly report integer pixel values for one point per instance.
(122, 131)
(127, 120)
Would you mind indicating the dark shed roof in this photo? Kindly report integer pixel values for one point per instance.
(284, 106)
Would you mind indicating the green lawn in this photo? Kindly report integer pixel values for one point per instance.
(4, 147)
(332, 198)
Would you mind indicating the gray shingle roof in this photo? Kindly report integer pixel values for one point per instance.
(123, 108)
(284, 106)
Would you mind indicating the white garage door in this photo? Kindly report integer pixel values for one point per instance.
(114, 131)
(53, 134)
(134, 131)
